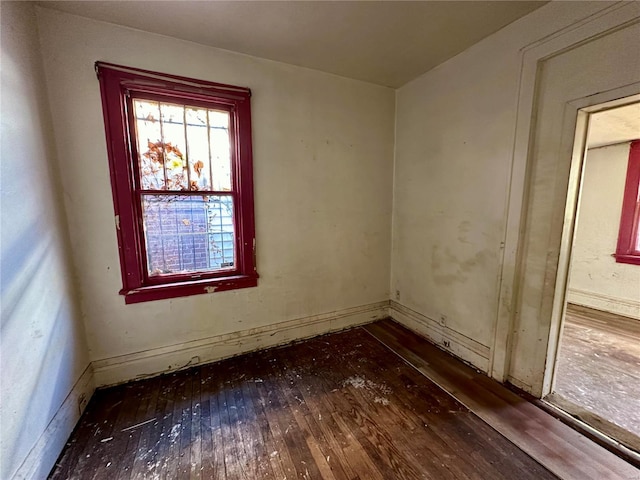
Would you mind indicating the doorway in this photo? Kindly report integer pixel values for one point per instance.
(597, 367)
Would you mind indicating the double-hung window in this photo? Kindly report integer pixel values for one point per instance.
(181, 174)
(628, 249)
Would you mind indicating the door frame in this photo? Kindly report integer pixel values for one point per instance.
(608, 20)
(584, 108)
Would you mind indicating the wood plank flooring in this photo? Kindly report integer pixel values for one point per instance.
(598, 372)
(561, 449)
(340, 406)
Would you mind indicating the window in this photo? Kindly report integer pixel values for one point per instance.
(181, 175)
(628, 250)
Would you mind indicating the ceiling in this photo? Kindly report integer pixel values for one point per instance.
(388, 43)
(617, 125)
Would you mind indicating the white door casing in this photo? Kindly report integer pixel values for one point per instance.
(589, 63)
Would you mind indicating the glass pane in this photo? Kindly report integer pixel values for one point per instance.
(198, 149)
(220, 149)
(149, 139)
(174, 144)
(183, 147)
(188, 233)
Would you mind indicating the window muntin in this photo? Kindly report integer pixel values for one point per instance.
(192, 144)
(628, 248)
(181, 172)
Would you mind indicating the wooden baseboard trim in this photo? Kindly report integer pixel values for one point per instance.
(47, 449)
(455, 343)
(606, 303)
(124, 368)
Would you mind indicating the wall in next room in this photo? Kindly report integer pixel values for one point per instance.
(43, 353)
(596, 280)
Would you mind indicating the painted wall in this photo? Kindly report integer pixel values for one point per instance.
(455, 128)
(590, 73)
(42, 345)
(323, 160)
(596, 280)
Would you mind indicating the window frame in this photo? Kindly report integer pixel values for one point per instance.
(626, 251)
(119, 86)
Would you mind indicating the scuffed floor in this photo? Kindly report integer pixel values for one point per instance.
(599, 369)
(336, 407)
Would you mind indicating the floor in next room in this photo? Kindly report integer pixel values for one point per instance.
(598, 372)
(341, 406)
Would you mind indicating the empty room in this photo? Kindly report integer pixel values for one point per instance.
(317, 240)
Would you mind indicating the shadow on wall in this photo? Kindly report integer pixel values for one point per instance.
(40, 343)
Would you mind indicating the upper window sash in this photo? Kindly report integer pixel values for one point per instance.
(211, 105)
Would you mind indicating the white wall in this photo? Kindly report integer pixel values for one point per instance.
(455, 134)
(590, 73)
(323, 179)
(43, 351)
(323, 159)
(596, 280)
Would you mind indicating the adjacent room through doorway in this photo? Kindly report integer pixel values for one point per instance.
(597, 376)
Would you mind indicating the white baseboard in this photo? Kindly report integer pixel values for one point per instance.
(606, 303)
(446, 338)
(42, 457)
(114, 370)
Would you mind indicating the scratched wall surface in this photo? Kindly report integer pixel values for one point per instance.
(42, 346)
(323, 159)
(454, 141)
(455, 134)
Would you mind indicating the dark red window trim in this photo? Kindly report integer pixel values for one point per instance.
(626, 251)
(118, 85)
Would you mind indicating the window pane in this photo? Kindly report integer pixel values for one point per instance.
(220, 150)
(173, 137)
(198, 149)
(188, 233)
(149, 138)
(182, 147)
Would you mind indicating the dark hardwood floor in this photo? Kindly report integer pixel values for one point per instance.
(563, 450)
(340, 406)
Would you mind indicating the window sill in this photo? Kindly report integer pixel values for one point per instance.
(185, 289)
(627, 258)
